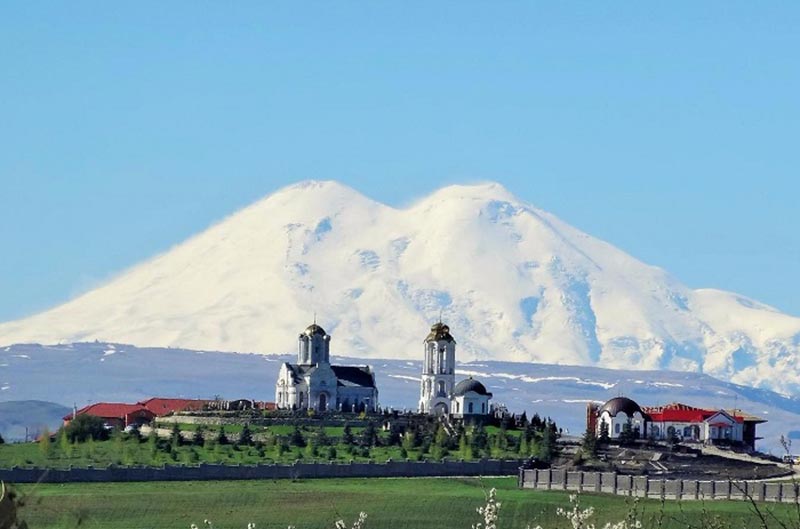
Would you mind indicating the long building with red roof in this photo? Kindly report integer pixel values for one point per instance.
(160, 406)
(115, 414)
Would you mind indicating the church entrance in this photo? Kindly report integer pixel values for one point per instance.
(440, 409)
(323, 402)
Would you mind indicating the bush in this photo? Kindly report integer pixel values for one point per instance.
(83, 427)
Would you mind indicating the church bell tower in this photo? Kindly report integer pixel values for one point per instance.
(314, 346)
(438, 371)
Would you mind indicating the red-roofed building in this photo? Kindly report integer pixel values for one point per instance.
(699, 424)
(674, 421)
(115, 414)
(163, 406)
(677, 412)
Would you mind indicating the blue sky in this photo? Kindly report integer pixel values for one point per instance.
(670, 130)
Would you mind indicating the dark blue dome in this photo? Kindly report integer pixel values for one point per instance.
(470, 384)
(620, 404)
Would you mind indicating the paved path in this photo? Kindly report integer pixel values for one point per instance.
(714, 451)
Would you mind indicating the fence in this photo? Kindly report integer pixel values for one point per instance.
(644, 487)
(298, 470)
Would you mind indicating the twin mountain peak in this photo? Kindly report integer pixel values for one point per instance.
(514, 282)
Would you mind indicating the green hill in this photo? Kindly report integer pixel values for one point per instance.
(35, 415)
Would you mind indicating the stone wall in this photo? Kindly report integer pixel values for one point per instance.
(217, 419)
(644, 487)
(298, 470)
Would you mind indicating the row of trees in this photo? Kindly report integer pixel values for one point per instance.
(423, 438)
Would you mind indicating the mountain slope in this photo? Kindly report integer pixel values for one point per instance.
(21, 418)
(514, 283)
(80, 373)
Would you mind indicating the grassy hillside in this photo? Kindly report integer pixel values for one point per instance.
(316, 504)
(275, 444)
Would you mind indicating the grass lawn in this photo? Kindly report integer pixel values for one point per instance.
(316, 504)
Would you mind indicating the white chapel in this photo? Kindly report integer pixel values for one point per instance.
(314, 384)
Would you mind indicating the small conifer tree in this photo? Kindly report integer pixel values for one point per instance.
(603, 438)
(524, 447)
(246, 437)
(347, 435)
(369, 436)
(175, 435)
(44, 443)
(311, 449)
(222, 438)
(281, 447)
(409, 440)
(198, 436)
(64, 444)
(297, 438)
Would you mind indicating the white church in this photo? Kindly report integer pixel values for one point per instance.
(439, 394)
(314, 384)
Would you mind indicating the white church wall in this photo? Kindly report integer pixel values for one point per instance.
(470, 404)
(616, 424)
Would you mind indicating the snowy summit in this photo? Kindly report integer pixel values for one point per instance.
(514, 282)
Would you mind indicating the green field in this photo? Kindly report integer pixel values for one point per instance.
(316, 504)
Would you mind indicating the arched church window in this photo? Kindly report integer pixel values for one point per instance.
(616, 428)
(483, 407)
(470, 407)
(440, 391)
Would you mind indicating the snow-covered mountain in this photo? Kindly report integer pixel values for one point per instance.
(514, 283)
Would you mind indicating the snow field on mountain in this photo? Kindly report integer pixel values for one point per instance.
(513, 282)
